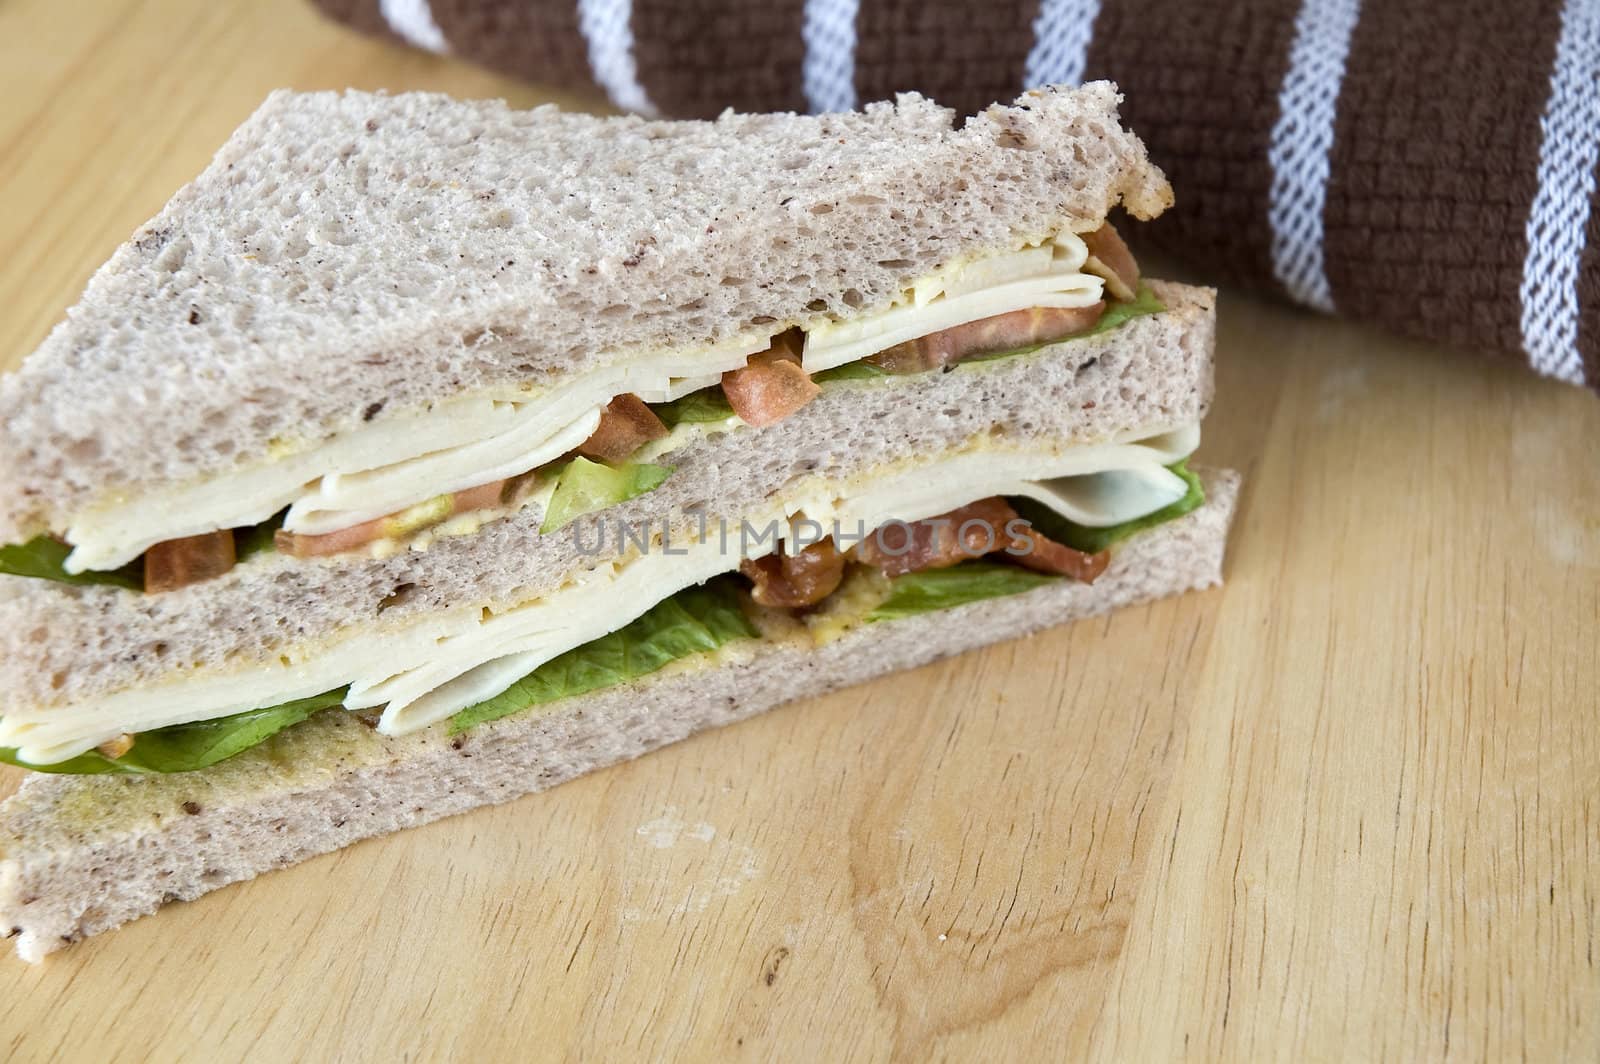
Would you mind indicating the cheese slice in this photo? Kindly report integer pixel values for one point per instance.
(345, 499)
(1101, 500)
(386, 466)
(442, 664)
(952, 482)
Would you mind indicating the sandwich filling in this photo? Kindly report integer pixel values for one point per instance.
(820, 551)
(580, 441)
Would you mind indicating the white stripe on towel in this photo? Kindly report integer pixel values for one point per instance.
(828, 71)
(1061, 34)
(413, 20)
(1559, 216)
(1301, 140)
(607, 27)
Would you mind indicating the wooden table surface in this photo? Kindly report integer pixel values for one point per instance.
(1346, 807)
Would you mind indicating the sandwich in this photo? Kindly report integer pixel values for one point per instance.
(421, 454)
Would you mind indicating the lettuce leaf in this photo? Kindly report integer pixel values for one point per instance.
(850, 371)
(1118, 313)
(1095, 540)
(694, 621)
(583, 486)
(708, 404)
(44, 558)
(187, 747)
(257, 539)
(941, 589)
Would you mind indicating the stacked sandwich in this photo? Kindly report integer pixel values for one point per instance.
(422, 453)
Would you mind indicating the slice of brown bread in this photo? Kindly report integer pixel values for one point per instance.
(84, 854)
(355, 256)
(61, 645)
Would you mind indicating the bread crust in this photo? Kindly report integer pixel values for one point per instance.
(84, 854)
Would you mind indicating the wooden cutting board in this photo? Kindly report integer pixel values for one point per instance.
(1347, 807)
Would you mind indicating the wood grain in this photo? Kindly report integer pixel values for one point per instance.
(1347, 807)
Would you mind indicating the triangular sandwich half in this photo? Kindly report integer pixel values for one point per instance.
(424, 453)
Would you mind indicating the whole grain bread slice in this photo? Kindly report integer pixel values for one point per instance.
(84, 854)
(62, 645)
(351, 256)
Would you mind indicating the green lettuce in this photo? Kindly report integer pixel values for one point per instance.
(187, 747)
(1095, 540)
(258, 539)
(708, 404)
(942, 589)
(694, 621)
(850, 371)
(583, 486)
(44, 558)
(1118, 313)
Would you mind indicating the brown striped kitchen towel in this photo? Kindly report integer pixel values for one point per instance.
(1430, 166)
